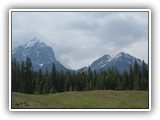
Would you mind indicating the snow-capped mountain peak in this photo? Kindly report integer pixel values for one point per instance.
(122, 54)
(33, 42)
(121, 61)
(42, 56)
(101, 60)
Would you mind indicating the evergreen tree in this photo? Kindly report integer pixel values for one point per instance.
(144, 76)
(94, 80)
(136, 76)
(53, 77)
(89, 80)
(28, 76)
(73, 80)
(118, 83)
(14, 75)
(39, 82)
(46, 84)
(130, 78)
(22, 76)
(125, 80)
(101, 80)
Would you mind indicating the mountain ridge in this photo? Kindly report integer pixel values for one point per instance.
(43, 57)
(120, 61)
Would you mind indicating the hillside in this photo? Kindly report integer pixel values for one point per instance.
(90, 99)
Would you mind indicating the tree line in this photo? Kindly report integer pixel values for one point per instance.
(26, 80)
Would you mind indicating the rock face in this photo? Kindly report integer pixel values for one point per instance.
(121, 62)
(42, 56)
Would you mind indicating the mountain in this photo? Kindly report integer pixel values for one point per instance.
(101, 62)
(121, 62)
(42, 55)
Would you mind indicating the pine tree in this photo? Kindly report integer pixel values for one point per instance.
(73, 81)
(130, 78)
(94, 80)
(67, 81)
(102, 80)
(117, 79)
(144, 76)
(46, 83)
(22, 76)
(125, 80)
(28, 76)
(39, 82)
(136, 76)
(89, 79)
(14, 75)
(53, 77)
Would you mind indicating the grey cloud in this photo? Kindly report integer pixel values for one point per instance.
(82, 25)
(121, 32)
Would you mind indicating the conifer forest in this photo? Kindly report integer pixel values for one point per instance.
(26, 80)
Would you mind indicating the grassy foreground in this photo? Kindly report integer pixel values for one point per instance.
(89, 99)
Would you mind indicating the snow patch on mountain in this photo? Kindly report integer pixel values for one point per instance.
(103, 65)
(40, 65)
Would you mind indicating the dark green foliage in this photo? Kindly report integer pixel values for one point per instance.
(25, 80)
(131, 79)
(28, 88)
(15, 75)
(144, 78)
(136, 76)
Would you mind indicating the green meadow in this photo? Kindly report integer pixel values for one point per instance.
(89, 99)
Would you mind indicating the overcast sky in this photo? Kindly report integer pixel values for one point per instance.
(79, 38)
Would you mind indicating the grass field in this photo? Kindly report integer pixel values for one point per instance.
(89, 99)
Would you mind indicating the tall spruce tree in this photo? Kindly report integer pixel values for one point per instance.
(130, 78)
(89, 79)
(136, 76)
(144, 76)
(53, 77)
(14, 75)
(125, 80)
(28, 76)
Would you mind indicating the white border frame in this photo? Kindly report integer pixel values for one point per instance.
(81, 10)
